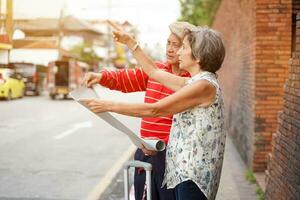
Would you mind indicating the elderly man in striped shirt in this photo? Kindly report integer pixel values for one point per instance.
(133, 80)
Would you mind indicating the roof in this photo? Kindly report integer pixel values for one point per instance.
(50, 43)
(70, 25)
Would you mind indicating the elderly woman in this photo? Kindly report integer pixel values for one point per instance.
(196, 147)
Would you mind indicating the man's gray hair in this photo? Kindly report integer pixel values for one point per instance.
(178, 28)
(208, 47)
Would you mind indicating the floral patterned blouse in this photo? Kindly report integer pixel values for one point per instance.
(197, 142)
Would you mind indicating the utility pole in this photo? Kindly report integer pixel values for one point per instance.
(9, 19)
(60, 33)
(109, 39)
(9, 25)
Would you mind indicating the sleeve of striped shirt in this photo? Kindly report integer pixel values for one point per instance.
(125, 80)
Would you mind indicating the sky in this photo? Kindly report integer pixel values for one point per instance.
(151, 17)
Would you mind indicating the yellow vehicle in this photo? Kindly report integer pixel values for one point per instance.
(11, 84)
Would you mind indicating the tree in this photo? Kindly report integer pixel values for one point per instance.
(199, 12)
(86, 52)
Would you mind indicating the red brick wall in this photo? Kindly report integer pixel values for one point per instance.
(235, 19)
(283, 175)
(258, 38)
(273, 51)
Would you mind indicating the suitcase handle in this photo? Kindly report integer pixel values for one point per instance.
(144, 165)
(136, 163)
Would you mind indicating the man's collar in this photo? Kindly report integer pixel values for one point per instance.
(182, 72)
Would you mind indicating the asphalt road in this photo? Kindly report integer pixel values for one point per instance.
(56, 149)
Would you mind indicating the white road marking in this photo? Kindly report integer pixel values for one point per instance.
(75, 128)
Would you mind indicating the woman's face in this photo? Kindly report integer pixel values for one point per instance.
(186, 61)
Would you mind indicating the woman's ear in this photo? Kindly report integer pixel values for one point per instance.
(199, 63)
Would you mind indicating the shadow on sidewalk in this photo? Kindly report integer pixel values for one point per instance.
(233, 185)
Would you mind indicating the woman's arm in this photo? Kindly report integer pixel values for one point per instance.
(200, 93)
(167, 79)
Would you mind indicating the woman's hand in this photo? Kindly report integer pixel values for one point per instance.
(97, 106)
(120, 35)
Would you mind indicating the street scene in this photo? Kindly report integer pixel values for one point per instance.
(217, 82)
(55, 149)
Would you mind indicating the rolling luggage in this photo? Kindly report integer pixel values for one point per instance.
(147, 167)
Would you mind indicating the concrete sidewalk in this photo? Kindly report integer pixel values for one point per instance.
(233, 184)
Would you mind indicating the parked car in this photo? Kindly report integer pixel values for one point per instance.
(30, 75)
(64, 76)
(11, 84)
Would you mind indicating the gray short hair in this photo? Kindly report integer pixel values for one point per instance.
(208, 47)
(178, 28)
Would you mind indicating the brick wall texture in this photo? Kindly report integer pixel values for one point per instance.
(257, 34)
(236, 21)
(283, 174)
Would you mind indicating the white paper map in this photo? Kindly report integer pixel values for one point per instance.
(88, 93)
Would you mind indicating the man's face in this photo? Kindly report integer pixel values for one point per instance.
(173, 45)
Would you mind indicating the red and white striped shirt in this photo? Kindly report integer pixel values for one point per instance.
(133, 80)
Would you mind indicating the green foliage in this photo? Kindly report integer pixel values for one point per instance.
(250, 176)
(85, 52)
(260, 193)
(41, 68)
(199, 12)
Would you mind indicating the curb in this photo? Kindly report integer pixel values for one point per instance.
(107, 179)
